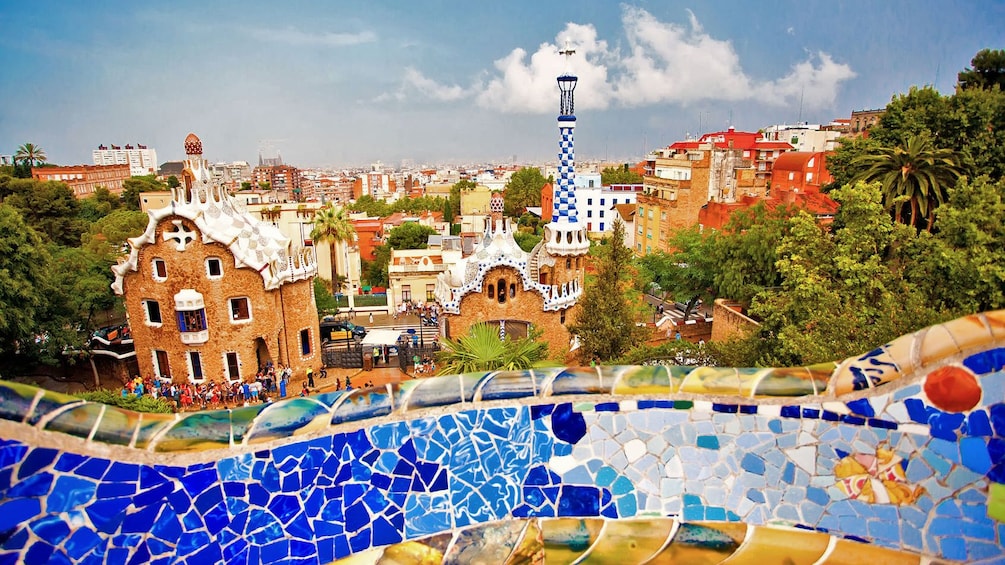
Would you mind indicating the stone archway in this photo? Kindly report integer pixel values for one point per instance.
(262, 355)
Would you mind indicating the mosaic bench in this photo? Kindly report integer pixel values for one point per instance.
(896, 456)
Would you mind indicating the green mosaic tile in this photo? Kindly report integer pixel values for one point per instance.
(241, 420)
(77, 421)
(50, 402)
(117, 426)
(204, 430)
(17, 400)
(643, 380)
(297, 416)
(150, 425)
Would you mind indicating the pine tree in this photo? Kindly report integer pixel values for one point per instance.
(605, 322)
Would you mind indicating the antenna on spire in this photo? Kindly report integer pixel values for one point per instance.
(568, 51)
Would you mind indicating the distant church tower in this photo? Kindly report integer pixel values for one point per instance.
(501, 285)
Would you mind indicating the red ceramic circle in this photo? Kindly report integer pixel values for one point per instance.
(953, 389)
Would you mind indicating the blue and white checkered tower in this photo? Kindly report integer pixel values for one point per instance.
(566, 235)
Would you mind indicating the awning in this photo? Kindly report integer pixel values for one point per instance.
(381, 337)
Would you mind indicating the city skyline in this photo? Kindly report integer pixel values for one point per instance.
(347, 85)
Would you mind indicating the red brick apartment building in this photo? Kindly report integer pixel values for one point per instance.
(84, 179)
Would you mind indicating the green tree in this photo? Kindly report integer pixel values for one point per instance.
(482, 350)
(687, 273)
(986, 70)
(50, 208)
(371, 207)
(25, 264)
(333, 226)
(841, 164)
(526, 240)
(968, 249)
(133, 186)
(98, 205)
(914, 171)
(839, 295)
(745, 252)
(605, 321)
(173, 182)
(107, 237)
(30, 155)
(523, 190)
(246, 185)
(619, 175)
(409, 235)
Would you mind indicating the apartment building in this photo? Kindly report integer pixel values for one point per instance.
(142, 160)
(83, 180)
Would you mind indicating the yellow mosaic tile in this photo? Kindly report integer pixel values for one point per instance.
(937, 344)
(117, 426)
(531, 546)
(77, 421)
(821, 374)
(702, 543)
(643, 380)
(901, 350)
(712, 380)
(630, 541)
(796, 381)
(843, 381)
(847, 552)
(781, 545)
(749, 379)
(996, 322)
(150, 425)
(566, 539)
(969, 332)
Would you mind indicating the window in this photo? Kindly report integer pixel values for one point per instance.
(240, 309)
(589, 213)
(160, 270)
(601, 226)
(501, 291)
(233, 365)
(192, 321)
(601, 215)
(512, 290)
(809, 177)
(663, 216)
(161, 365)
(792, 175)
(562, 317)
(430, 292)
(195, 365)
(589, 202)
(810, 162)
(406, 292)
(305, 342)
(214, 268)
(568, 263)
(492, 291)
(601, 203)
(153, 310)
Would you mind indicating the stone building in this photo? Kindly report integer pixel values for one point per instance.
(213, 293)
(501, 284)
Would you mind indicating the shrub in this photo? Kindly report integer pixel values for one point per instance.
(143, 403)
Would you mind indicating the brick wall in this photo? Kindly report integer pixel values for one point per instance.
(730, 321)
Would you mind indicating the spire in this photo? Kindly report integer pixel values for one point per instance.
(566, 236)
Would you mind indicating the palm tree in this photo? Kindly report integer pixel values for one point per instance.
(333, 226)
(482, 350)
(915, 170)
(30, 154)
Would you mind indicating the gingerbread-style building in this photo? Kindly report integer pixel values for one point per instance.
(211, 292)
(503, 285)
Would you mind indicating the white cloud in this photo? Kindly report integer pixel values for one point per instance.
(293, 36)
(661, 63)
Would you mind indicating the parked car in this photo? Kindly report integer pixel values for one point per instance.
(333, 329)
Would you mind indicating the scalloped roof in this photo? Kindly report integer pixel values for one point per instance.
(254, 244)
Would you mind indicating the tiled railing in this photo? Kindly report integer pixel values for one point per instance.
(903, 447)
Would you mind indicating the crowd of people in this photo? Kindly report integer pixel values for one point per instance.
(421, 309)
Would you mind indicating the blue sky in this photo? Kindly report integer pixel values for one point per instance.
(346, 83)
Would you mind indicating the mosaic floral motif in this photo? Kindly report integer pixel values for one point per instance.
(605, 464)
(876, 478)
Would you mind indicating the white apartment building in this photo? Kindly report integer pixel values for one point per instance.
(805, 137)
(141, 159)
(595, 202)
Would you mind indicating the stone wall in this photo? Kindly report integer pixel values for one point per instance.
(891, 457)
(730, 321)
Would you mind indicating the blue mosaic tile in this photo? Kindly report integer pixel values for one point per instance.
(986, 361)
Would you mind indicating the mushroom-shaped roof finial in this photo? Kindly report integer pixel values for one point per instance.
(193, 146)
